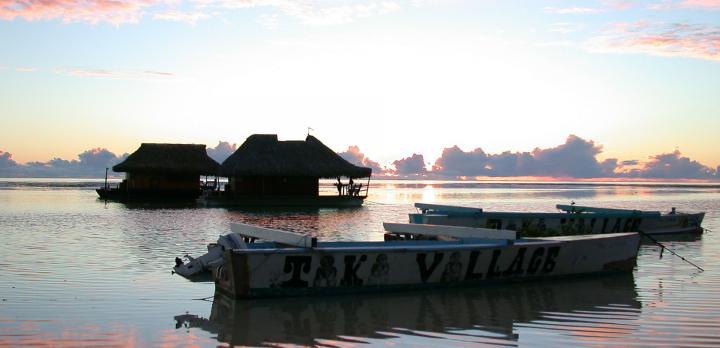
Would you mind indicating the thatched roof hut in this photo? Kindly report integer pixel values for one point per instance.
(262, 155)
(180, 159)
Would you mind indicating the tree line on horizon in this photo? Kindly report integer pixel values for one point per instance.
(576, 158)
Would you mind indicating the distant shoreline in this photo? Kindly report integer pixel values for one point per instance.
(405, 182)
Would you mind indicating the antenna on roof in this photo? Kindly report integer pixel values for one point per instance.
(309, 129)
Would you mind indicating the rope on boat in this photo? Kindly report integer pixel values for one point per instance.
(663, 248)
(204, 298)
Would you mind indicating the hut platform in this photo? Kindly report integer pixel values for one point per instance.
(282, 201)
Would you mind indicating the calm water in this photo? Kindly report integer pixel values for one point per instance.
(76, 271)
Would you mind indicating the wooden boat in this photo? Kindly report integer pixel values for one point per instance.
(573, 219)
(412, 257)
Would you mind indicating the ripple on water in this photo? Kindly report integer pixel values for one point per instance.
(76, 271)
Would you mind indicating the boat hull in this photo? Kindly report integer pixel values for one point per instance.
(549, 224)
(403, 265)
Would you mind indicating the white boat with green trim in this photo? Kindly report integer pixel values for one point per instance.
(572, 219)
(411, 257)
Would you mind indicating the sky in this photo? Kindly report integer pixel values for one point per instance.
(391, 79)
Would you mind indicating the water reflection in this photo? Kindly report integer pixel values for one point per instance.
(672, 237)
(140, 205)
(481, 314)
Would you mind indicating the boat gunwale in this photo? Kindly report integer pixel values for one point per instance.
(535, 215)
(435, 245)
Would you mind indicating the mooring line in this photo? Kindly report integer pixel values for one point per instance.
(663, 248)
(203, 299)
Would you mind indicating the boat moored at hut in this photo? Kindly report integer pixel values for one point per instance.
(162, 171)
(265, 171)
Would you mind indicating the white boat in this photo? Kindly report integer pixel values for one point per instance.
(572, 219)
(412, 256)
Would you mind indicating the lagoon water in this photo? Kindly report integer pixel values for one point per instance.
(77, 271)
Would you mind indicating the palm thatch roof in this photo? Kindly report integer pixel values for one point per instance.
(191, 159)
(264, 155)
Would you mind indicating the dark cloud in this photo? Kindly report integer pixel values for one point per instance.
(576, 158)
(609, 166)
(6, 161)
(413, 165)
(354, 156)
(222, 151)
(673, 166)
(456, 162)
(630, 163)
(91, 163)
(97, 159)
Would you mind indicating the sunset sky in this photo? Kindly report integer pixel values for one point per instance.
(393, 77)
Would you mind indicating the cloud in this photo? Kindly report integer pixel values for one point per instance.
(672, 166)
(308, 12)
(707, 4)
(456, 162)
(90, 11)
(181, 16)
(618, 4)
(565, 28)
(90, 163)
(96, 158)
(676, 39)
(117, 74)
(630, 163)
(324, 13)
(413, 165)
(312, 12)
(222, 151)
(687, 4)
(576, 158)
(354, 156)
(575, 10)
(6, 161)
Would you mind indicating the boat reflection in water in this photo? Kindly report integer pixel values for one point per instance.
(488, 314)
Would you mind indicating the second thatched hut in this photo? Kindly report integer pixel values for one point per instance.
(266, 171)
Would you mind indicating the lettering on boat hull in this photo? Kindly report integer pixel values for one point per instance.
(328, 270)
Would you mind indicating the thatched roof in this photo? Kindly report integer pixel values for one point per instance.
(264, 155)
(170, 159)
